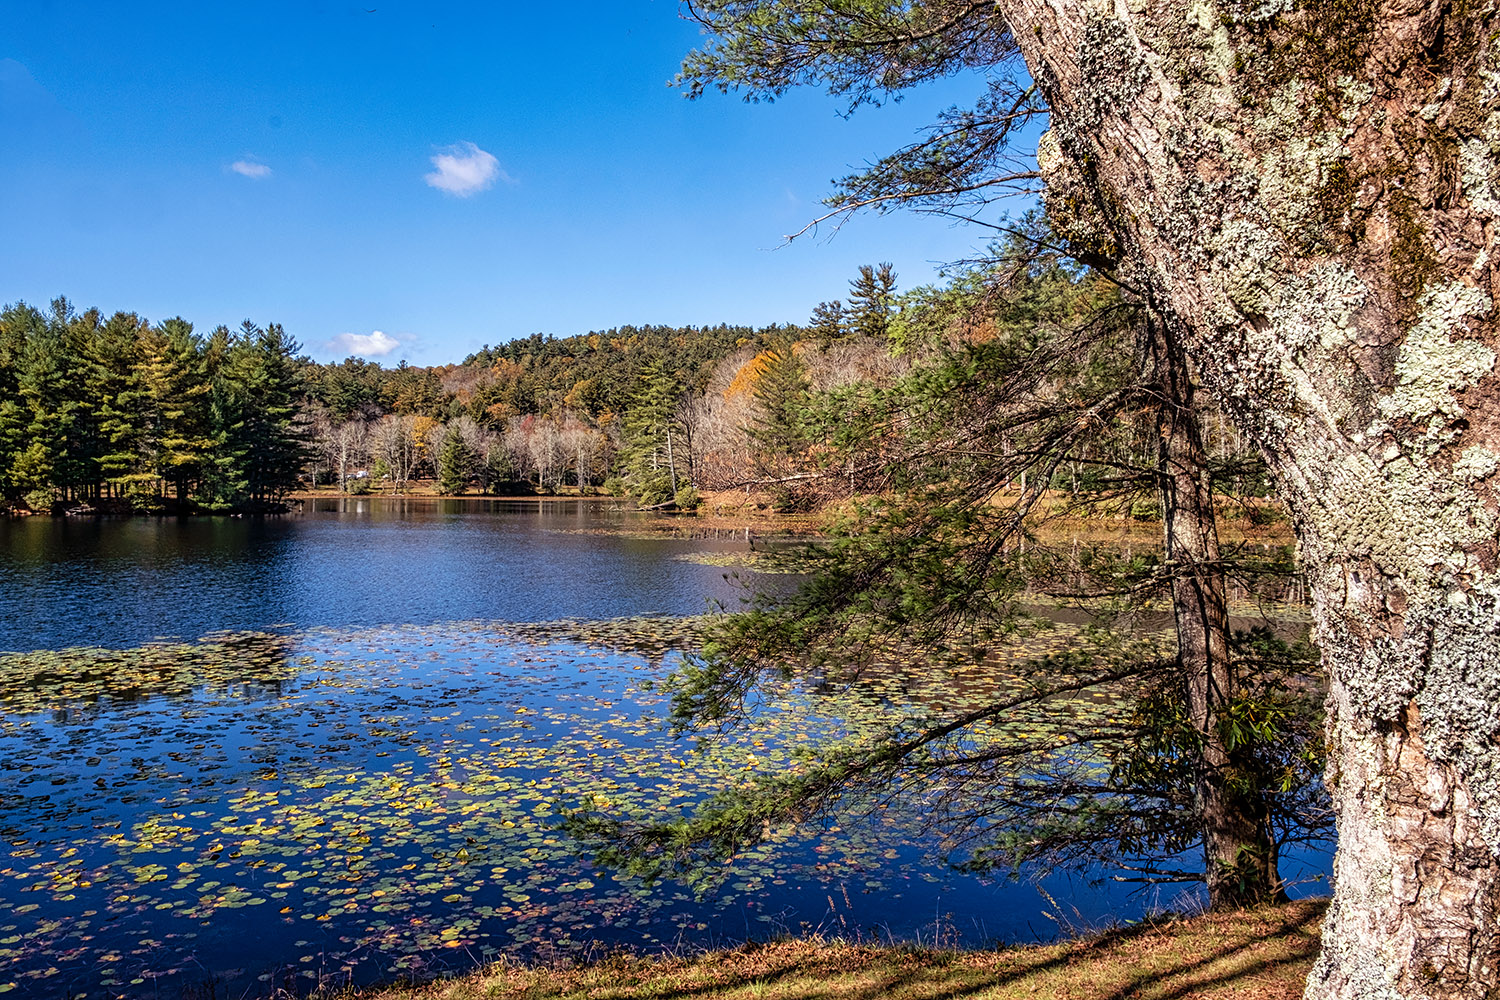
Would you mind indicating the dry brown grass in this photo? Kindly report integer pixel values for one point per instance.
(1263, 954)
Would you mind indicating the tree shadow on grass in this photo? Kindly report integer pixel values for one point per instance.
(1263, 954)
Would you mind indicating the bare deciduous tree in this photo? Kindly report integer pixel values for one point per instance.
(394, 441)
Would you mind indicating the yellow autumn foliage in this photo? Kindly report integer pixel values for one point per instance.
(755, 369)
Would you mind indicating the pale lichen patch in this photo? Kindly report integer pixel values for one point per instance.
(1477, 157)
(1049, 153)
(1474, 464)
(1460, 695)
(1259, 10)
(1316, 308)
(1291, 174)
(1282, 116)
(1478, 173)
(1353, 96)
(1114, 66)
(1414, 523)
(1218, 52)
(1241, 250)
(1433, 365)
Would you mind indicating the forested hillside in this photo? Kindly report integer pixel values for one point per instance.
(134, 414)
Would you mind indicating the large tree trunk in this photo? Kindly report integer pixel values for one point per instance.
(1309, 188)
(1238, 853)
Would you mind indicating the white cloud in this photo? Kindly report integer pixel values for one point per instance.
(364, 345)
(465, 169)
(251, 169)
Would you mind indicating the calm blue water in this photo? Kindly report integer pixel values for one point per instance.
(123, 581)
(366, 785)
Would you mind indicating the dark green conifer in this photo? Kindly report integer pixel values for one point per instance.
(871, 299)
(650, 425)
(455, 464)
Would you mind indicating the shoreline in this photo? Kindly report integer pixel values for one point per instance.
(1263, 953)
(736, 510)
(723, 510)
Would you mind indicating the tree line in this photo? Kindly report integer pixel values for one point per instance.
(138, 415)
(119, 409)
(153, 416)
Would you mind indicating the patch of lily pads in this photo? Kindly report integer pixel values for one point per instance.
(764, 562)
(319, 807)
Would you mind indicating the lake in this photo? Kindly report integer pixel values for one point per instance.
(113, 582)
(330, 747)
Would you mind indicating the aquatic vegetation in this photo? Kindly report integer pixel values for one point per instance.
(387, 801)
(759, 561)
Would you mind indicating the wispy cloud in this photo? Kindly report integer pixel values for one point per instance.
(251, 169)
(464, 169)
(364, 345)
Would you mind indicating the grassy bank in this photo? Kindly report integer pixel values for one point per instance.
(1263, 954)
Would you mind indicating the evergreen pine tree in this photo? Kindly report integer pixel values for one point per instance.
(828, 321)
(52, 458)
(226, 482)
(454, 464)
(871, 296)
(277, 440)
(175, 396)
(18, 325)
(117, 395)
(74, 409)
(258, 444)
(649, 426)
(781, 398)
(497, 467)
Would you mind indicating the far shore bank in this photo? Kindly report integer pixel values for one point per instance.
(1259, 522)
(1254, 522)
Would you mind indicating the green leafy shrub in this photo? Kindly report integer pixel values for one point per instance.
(143, 499)
(41, 500)
(653, 489)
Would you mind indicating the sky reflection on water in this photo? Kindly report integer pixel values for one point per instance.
(123, 581)
(366, 785)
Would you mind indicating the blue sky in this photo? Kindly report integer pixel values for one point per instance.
(446, 175)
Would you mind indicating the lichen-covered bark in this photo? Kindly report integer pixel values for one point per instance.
(1309, 188)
